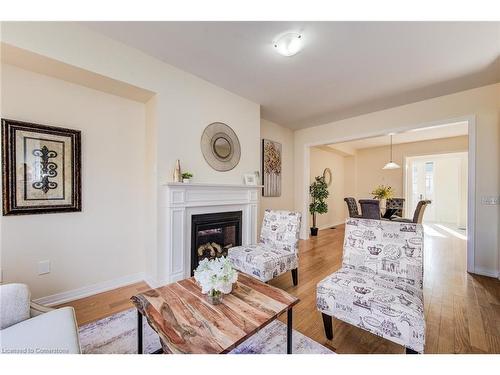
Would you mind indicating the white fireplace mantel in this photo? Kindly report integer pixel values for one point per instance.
(178, 202)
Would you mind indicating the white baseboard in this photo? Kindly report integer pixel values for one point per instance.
(71, 295)
(486, 272)
(331, 225)
(155, 283)
(321, 228)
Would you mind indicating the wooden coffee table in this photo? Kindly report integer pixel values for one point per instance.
(187, 323)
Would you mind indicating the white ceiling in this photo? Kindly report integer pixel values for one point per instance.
(345, 68)
(416, 135)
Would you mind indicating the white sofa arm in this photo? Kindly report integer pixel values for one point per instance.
(55, 332)
(37, 309)
(14, 304)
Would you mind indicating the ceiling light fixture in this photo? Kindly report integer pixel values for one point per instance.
(288, 44)
(391, 164)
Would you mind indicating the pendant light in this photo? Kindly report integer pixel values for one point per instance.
(391, 164)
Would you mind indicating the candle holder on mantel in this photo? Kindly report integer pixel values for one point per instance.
(177, 177)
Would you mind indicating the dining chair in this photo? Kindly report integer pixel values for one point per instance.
(370, 208)
(396, 204)
(352, 207)
(418, 215)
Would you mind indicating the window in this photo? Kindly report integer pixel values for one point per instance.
(429, 179)
(414, 182)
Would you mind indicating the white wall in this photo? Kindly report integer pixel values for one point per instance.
(106, 240)
(277, 133)
(480, 103)
(321, 158)
(182, 107)
(447, 190)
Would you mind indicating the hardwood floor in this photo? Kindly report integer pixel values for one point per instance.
(105, 304)
(462, 310)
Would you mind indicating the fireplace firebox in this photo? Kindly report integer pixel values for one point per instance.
(213, 234)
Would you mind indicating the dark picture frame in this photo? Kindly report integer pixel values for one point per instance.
(41, 168)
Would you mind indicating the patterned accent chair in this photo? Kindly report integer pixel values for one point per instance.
(379, 287)
(277, 251)
(352, 207)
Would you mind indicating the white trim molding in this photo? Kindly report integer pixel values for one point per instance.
(330, 226)
(71, 295)
(471, 195)
(486, 272)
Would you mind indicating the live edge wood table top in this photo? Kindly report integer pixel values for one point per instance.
(187, 323)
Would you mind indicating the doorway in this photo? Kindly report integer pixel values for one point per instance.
(442, 179)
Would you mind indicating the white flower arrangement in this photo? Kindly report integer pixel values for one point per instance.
(216, 275)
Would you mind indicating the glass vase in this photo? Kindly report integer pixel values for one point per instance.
(215, 297)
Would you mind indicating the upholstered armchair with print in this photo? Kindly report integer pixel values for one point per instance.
(379, 287)
(276, 253)
(29, 328)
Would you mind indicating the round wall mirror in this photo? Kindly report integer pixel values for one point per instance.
(222, 147)
(327, 175)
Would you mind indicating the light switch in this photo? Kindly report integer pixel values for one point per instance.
(43, 267)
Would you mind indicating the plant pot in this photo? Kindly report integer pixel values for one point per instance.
(215, 297)
(383, 203)
(186, 180)
(314, 231)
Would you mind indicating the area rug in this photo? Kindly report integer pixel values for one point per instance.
(117, 334)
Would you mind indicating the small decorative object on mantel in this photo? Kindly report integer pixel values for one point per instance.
(216, 278)
(40, 168)
(271, 168)
(220, 147)
(186, 177)
(177, 177)
(250, 179)
(319, 192)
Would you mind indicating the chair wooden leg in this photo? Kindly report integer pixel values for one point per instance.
(327, 322)
(410, 351)
(295, 276)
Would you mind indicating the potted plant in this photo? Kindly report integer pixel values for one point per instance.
(318, 191)
(186, 177)
(382, 193)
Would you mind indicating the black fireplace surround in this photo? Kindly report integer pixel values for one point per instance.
(213, 234)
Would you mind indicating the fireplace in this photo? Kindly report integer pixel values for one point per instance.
(213, 234)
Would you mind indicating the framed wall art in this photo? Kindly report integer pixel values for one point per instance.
(41, 168)
(271, 168)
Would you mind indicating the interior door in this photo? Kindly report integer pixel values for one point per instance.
(421, 187)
